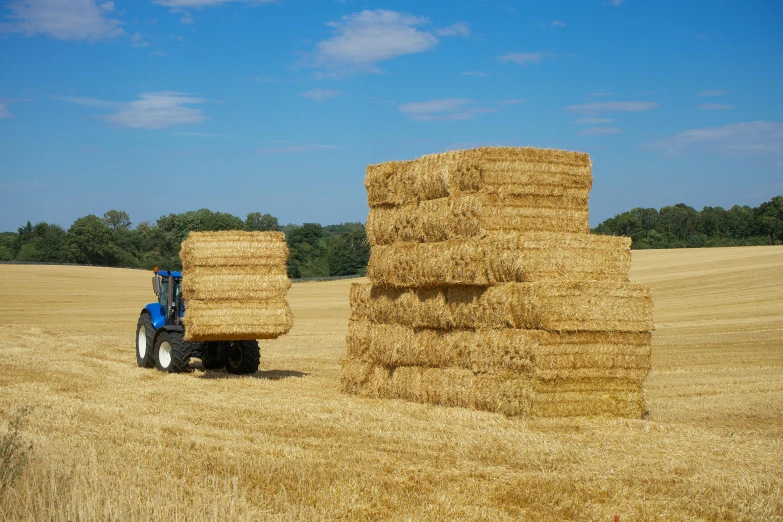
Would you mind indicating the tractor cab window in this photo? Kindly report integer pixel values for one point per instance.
(164, 293)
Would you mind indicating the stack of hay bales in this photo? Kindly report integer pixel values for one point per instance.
(488, 291)
(234, 284)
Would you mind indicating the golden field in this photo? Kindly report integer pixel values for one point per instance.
(111, 441)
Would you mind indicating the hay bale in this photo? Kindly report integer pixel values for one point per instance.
(471, 215)
(549, 356)
(507, 394)
(501, 257)
(503, 171)
(234, 284)
(628, 404)
(542, 305)
(236, 320)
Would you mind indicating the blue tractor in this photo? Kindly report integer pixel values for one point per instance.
(160, 335)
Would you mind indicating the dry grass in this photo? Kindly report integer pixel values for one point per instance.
(115, 442)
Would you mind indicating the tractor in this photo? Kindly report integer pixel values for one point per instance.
(160, 335)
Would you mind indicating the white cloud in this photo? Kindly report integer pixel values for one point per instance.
(63, 19)
(199, 134)
(153, 110)
(293, 149)
(599, 107)
(364, 38)
(475, 73)
(744, 139)
(460, 29)
(525, 58)
(600, 131)
(594, 121)
(715, 106)
(206, 3)
(617, 2)
(137, 40)
(600, 94)
(4, 113)
(321, 94)
(558, 23)
(449, 109)
(713, 93)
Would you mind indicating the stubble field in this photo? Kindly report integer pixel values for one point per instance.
(111, 441)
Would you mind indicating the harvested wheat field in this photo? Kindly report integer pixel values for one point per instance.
(111, 441)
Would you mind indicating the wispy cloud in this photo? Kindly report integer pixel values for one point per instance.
(286, 148)
(525, 58)
(362, 39)
(321, 94)
(199, 134)
(715, 106)
(4, 113)
(600, 131)
(153, 110)
(617, 106)
(763, 139)
(475, 73)
(617, 2)
(448, 109)
(594, 121)
(206, 3)
(600, 94)
(259, 79)
(137, 40)
(557, 23)
(460, 29)
(62, 19)
(713, 93)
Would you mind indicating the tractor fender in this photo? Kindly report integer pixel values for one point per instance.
(157, 315)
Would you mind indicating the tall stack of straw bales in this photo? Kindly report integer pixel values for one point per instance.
(488, 291)
(234, 284)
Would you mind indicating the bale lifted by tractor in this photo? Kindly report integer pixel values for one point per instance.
(160, 335)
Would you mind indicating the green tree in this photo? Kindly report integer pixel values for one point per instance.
(90, 242)
(46, 243)
(117, 220)
(307, 252)
(769, 219)
(257, 221)
(348, 253)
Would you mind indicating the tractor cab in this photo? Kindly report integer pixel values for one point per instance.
(170, 307)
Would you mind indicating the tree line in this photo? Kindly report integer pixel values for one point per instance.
(338, 250)
(314, 250)
(681, 226)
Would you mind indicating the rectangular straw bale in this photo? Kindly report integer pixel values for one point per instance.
(234, 282)
(502, 170)
(236, 321)
(511, 395)
(483, 351)
(544, 305)
(235, 248)
(497, 258)
(628, 404)
(549, 356)
(472, 214)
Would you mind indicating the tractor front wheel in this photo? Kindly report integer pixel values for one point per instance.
(243, 357)
(172, 353)
(145, 336)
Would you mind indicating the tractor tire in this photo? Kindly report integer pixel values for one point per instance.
(145, 337)
(243, 357)
(172, 353)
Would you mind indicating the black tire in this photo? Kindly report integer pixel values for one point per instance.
(243, 357)
(145, 337)
(172, 353)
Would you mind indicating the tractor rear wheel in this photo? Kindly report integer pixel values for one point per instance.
(172, 353)
(243, 357)
(145, 336)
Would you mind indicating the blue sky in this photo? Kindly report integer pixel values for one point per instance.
(160, 106)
